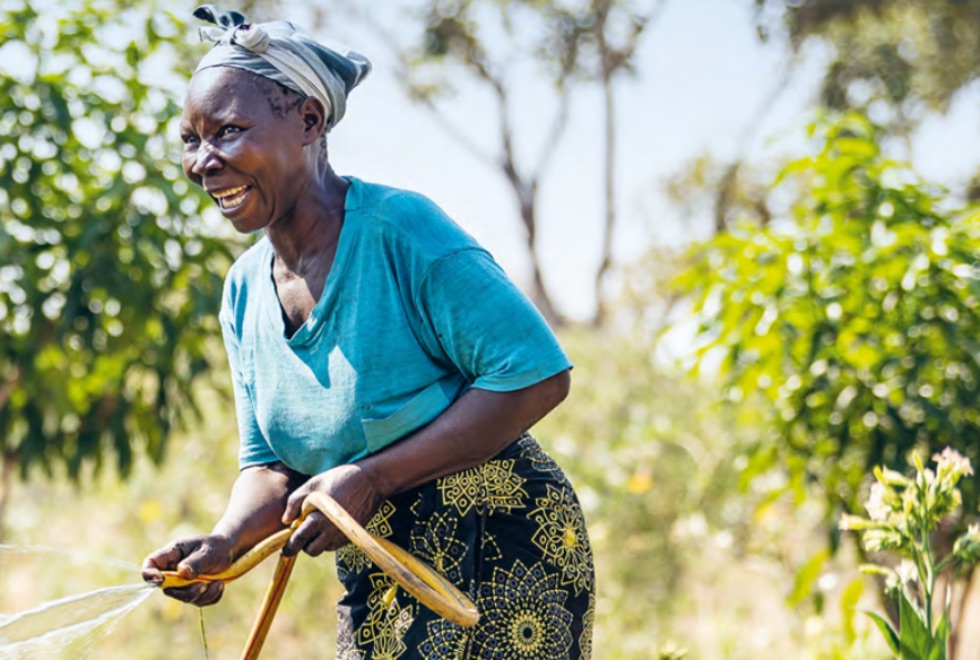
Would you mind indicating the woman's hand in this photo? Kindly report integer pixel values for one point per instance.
(190, 557)
(351, 487)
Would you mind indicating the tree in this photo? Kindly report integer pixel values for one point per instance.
(896, 57)
(570, 43)
(451, 39)
(857, 317)
(893, 59)
(110, 279)
(599, 40)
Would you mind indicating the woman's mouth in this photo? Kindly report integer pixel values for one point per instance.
(231, 198)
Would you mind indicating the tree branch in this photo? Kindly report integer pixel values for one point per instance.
(525, 188)
(727, 186)
(650, 20)
(404, 78)
(558, 125)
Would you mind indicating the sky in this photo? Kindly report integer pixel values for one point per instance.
(702, 75)
(702, 78)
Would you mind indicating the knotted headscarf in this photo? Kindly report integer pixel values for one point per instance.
(278, 51)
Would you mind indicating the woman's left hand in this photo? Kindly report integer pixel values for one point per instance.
(351, 487)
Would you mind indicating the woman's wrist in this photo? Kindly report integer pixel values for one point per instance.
(373, 469)
(229, 539)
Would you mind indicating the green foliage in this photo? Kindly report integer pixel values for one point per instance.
(109, 280)
(903, 514)
(888, 51)
(856, 317)
(655, 470)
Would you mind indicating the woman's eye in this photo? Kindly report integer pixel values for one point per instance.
(228, 130)
(189, 139)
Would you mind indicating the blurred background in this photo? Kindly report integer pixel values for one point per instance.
(751, 223)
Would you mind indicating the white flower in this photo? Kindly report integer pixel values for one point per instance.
(877, 507)
(877, 540)
(952, 464)
(907, 572)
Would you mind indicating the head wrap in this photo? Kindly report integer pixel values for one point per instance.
(278, 51)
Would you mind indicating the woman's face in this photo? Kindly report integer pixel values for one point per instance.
(244, 147)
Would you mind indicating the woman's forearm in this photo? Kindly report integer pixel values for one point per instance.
(471, 431)
(255, 506)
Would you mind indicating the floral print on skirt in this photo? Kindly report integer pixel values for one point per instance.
(509, 533)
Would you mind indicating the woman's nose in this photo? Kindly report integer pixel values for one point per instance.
(207, 160)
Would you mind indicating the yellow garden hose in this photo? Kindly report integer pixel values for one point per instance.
(415, 576)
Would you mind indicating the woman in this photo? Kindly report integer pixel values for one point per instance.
(378, 355)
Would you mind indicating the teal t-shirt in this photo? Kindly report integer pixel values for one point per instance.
(413, 313)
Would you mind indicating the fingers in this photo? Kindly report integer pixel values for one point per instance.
(164, 559)
(294, 505)
(150, 571)
(197, 563)
(201, 594)
(315, 536)
(187, 594)
(207, 556)
(318, 545)
(152, 575)
(211, 595)
(305, 533)
(189, 557)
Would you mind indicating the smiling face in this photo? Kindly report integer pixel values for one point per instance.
(243, 143)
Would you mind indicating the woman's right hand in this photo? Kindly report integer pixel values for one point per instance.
(190, 557)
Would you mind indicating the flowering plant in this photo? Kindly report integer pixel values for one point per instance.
(902, 514)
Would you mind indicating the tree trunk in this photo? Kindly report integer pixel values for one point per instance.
(725, 197)
(609, 224)
(539, 292)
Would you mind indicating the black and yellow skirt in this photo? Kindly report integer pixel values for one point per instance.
(509, 533)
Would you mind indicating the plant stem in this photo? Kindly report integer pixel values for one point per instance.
(930, 584)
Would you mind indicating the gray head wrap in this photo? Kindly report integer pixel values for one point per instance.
(278, 51)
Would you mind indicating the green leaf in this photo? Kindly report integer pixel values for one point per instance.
(941, 638)
(806, 578)
(848, 605)
(915, 639)
(891, 637)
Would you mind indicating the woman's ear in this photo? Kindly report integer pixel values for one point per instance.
(314, 120)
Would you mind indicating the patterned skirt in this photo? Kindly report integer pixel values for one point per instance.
(509, 533)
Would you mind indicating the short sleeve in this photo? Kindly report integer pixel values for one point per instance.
(484, 325)
(253, 448)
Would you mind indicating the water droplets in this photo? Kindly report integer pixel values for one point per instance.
(71, 623)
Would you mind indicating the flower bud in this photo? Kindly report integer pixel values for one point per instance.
(888, 477)
(849, 523)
